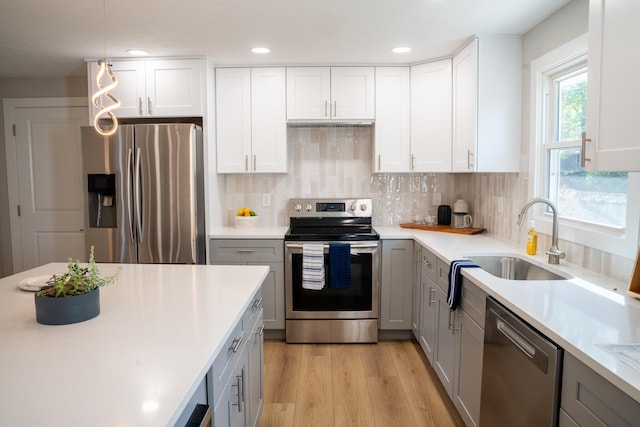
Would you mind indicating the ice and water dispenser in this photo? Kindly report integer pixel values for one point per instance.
(102, 200)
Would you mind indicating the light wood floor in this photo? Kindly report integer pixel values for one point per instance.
(386, 384)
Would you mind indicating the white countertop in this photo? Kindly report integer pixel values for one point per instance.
(247, 233)
(135, 364)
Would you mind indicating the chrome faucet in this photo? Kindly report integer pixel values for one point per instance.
(554, 253)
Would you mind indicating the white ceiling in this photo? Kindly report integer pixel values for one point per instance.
(41, 38)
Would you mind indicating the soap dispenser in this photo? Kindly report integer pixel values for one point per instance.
(532, 239)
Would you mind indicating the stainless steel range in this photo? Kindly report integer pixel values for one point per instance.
(331, 272)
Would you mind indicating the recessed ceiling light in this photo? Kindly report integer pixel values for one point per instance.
(137, 52)
(260, 50)
(401, 49)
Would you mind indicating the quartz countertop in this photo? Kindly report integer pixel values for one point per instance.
(258, 232)
(137, 363)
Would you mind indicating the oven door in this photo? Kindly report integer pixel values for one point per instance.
(357, 301)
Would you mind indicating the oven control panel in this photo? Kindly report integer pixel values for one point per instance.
(330, 208)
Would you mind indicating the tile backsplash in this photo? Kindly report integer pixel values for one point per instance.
(337, 161)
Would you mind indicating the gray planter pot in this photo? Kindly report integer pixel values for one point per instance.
(67, 310)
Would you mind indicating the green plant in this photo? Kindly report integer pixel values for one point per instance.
(77, 280)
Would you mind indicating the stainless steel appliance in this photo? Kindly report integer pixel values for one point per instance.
(144, 194)
(520, 372)
(332, 314)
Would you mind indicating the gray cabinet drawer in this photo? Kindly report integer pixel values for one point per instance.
(429, 264)
(473, 301)
(442, 275)
(590, 400)
(225, 361)
(246, 250)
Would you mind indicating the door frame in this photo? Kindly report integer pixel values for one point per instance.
(10, 105)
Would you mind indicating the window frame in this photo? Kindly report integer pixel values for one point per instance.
(615, 240)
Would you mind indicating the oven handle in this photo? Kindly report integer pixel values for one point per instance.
(353, 246)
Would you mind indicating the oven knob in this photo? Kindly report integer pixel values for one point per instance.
(297, 207)
(308, 207)
(353, 207)
(363, 207)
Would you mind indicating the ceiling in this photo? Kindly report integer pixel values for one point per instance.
(52, 38)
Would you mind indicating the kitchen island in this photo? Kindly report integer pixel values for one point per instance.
(138, 363)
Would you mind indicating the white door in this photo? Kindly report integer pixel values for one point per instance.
(174, 87)
(465, 108)
(352, 93)
(308, 93)
(46, 176)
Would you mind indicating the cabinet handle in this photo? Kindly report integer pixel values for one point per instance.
(257, 303)
(246, 163)
(584, 159)
(140, 104)
(240, 387)
(149, 105)
(431, 294)
(326, 103)
(235, 344)
(254, 162)
(260, 330)
(469, 162)
(413, 162)
(428, 264)
(335, 109)
(379, 161)
(450, 325)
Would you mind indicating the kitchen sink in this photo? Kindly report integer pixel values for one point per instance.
(515, 268)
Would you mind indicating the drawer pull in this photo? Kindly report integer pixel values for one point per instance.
(235, 344)
(260, 330)
(245, 251)
(257, 303)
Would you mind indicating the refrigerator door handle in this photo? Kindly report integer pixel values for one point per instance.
(137, 179)
(130, 212)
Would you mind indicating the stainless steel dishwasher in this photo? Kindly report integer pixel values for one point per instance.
(520, 372)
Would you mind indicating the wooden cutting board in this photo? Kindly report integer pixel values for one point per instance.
(443, 228)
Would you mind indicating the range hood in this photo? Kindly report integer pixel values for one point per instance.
(329, 123)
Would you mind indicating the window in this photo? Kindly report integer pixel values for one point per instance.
(596, 209)
(593, 197)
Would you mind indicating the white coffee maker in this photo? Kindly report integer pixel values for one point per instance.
(461, 217)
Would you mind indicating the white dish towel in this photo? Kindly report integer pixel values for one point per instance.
(313, 266)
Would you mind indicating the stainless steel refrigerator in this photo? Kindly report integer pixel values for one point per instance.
(144, 194)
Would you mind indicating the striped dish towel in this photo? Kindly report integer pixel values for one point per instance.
(313, 266)
(455, 281)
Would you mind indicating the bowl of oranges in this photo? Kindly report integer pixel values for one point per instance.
(245, 218)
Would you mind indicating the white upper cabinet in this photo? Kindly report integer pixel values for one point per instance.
(431, 117)
(392, 129)
(613, 89)
(251, 120)
(330, 93)
(487, 76)
(155, 88)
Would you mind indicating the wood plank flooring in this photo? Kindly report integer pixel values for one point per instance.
(383, 385)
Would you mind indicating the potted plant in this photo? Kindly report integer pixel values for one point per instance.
(72, 297)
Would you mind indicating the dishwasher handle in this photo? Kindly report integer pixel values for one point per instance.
(538, 357)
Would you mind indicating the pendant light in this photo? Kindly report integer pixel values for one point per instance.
(103, 91)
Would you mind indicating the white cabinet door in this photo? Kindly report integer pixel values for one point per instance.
(233, 119)
(392, 129)
(431, 117)
(130, 89)
(308, 93)
(352, 93)
(268, 120)
(613, 89)
(174, 87)
(487, 76)
(465, 108)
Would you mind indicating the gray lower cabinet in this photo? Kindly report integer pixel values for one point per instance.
(428, 332)
(237, 372)
(417, 290)
(468, 369)
(396, 285)
(590, 400)
(257, 252)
